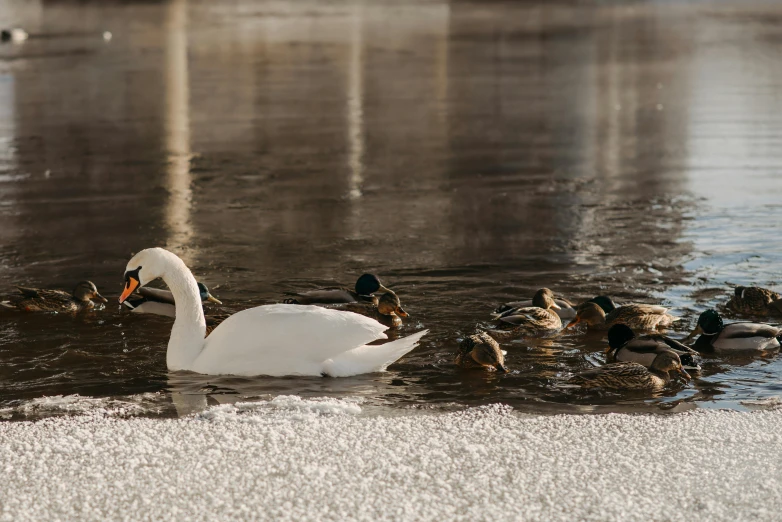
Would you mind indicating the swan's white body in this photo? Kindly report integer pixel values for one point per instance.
(275, 340)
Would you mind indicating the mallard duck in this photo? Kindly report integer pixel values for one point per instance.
(753, 300)
(539, 319)
(717, 337)
(565, 310)
(624, 346)
(388, 310)
(39, 300)
(636, 316)
(366, 285)
(632, 375)
(161, 302)
(481, 351)
(276, 340)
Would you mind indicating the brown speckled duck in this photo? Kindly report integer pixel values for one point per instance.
(601, 313)
(39, 300)
(753, 300)
(538, 319)
(632, 375)
(388, 310)
(480, 351)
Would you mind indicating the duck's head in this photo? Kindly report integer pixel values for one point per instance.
(146, 266)
(368, 284)
(544, 298)
(669, 361)
(489, 355)
(87, 291)
(619, 335)
(389, 305)
(589, 313)
(205, 295)
(709, 323)
(606, 303)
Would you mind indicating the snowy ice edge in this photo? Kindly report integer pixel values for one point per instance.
(141, 404)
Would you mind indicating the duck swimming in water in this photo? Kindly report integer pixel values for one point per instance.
(632, 375)
(481, 351)
(566, 309)
(161, 302)
(538, 319)
(717, 337)
(39, 300)
(753, 300)
(601, 313)
(388, 310)
(625, 346)
(366, 285)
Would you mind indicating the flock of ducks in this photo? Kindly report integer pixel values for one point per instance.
(327, 331)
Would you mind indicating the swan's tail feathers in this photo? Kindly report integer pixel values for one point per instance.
(370, 358)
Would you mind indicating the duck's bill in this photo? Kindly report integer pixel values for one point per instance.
(100, 298)
(213, 299)
(697, 331)
(400, 312)
(130, 285)
(555, 306)
(502, 368)
(684, 374)
(574, 322)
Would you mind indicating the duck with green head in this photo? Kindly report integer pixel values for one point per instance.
(539, 319)
(717, 337)
(625, 346)
(366, 286)
(161, 302)
(632, 375)
(480, 351)
(83, 297)
(601, 313)
(753, 300)
(388, 310)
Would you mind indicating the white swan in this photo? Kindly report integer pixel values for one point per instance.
(271, 340)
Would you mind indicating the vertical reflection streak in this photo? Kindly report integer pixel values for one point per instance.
(355, 106)
(177, 215)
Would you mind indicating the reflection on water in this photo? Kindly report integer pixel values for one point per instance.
(468, 153)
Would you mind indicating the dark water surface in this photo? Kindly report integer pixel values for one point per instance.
(468, 153)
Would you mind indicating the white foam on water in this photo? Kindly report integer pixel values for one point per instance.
(296, 459)
(80, 405)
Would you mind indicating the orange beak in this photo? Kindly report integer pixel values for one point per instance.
(131, 285)
(574, 322)
(400, 312)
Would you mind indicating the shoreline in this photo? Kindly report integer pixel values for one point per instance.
(296, 459)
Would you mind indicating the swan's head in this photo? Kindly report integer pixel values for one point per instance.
(146, 266)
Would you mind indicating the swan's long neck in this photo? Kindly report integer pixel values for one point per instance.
(187, 335)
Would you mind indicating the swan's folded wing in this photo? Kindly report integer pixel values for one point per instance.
(371, 358)
(284, 340)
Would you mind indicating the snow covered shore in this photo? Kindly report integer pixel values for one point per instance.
(293, 459)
